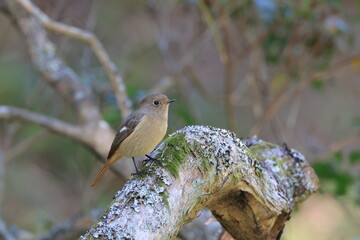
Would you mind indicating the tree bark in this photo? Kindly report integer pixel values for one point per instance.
(250, 186)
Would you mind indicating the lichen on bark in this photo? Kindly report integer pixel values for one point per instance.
(251, 187)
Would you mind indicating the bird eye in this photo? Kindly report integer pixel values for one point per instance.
(156, 102)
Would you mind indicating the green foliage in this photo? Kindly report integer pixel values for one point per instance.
(335, 3)
(318, 84)
(12, 89)
(354, 157)
(239, 9)
(332, 172)
(185, 115)
(305, 8)
(112, 115)
(273, 46)
(329, 172)
(356, 121)
(338, 156)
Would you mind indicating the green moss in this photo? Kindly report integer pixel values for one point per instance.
(257, 149)
(186, 221)
(175, 151)
(237, 177)
(206, 165)
(165, 197)
(258, 172)
(279, 163)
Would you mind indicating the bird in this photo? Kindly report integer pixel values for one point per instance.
(140, 132)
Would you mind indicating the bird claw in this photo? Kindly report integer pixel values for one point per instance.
(149, 158)
(139, 173)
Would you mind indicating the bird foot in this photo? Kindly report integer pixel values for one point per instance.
(149, 158)
(139, 173)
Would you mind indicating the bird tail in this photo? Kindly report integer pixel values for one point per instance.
(108, 163)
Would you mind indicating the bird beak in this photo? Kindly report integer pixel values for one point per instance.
(171, 100)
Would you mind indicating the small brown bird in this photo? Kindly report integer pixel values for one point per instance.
(140, 132)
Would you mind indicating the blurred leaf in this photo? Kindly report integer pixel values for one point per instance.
(355, 63)
(354, 157)
(132, 88)
(325, 56)
(46, 223)
(356, 121)
(327, 172)
(273, 46)
(305, 10)
(336, 3)
(343, 182)
(338, 156)
(310, 41)
(279, 81)
(318, 84)
(112, 115)
(323, 170)
(305, 6)
(239, 9)
(185, 115)
(13, 88)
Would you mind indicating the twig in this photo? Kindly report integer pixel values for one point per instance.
(223, 47)
(211, 22)
(271, 110)
(92, 130)
(54, 71)
(228, 75)
(90, 24)
(279, 100)
(52, 124)
(116, 80)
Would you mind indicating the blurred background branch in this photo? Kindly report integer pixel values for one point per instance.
(116, 80)
(52, 124)
(64, 80)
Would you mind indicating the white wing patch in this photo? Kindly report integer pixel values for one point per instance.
(123, 129)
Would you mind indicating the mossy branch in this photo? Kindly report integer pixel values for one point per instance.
(250, 186)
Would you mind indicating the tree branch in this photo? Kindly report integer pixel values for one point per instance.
(116, 80)
(251, 191)
(95, 132)
(43, 53)
(13, 233)
(52, 124)
(96, 136)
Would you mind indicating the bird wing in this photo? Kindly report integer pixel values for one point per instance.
(126, 128)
